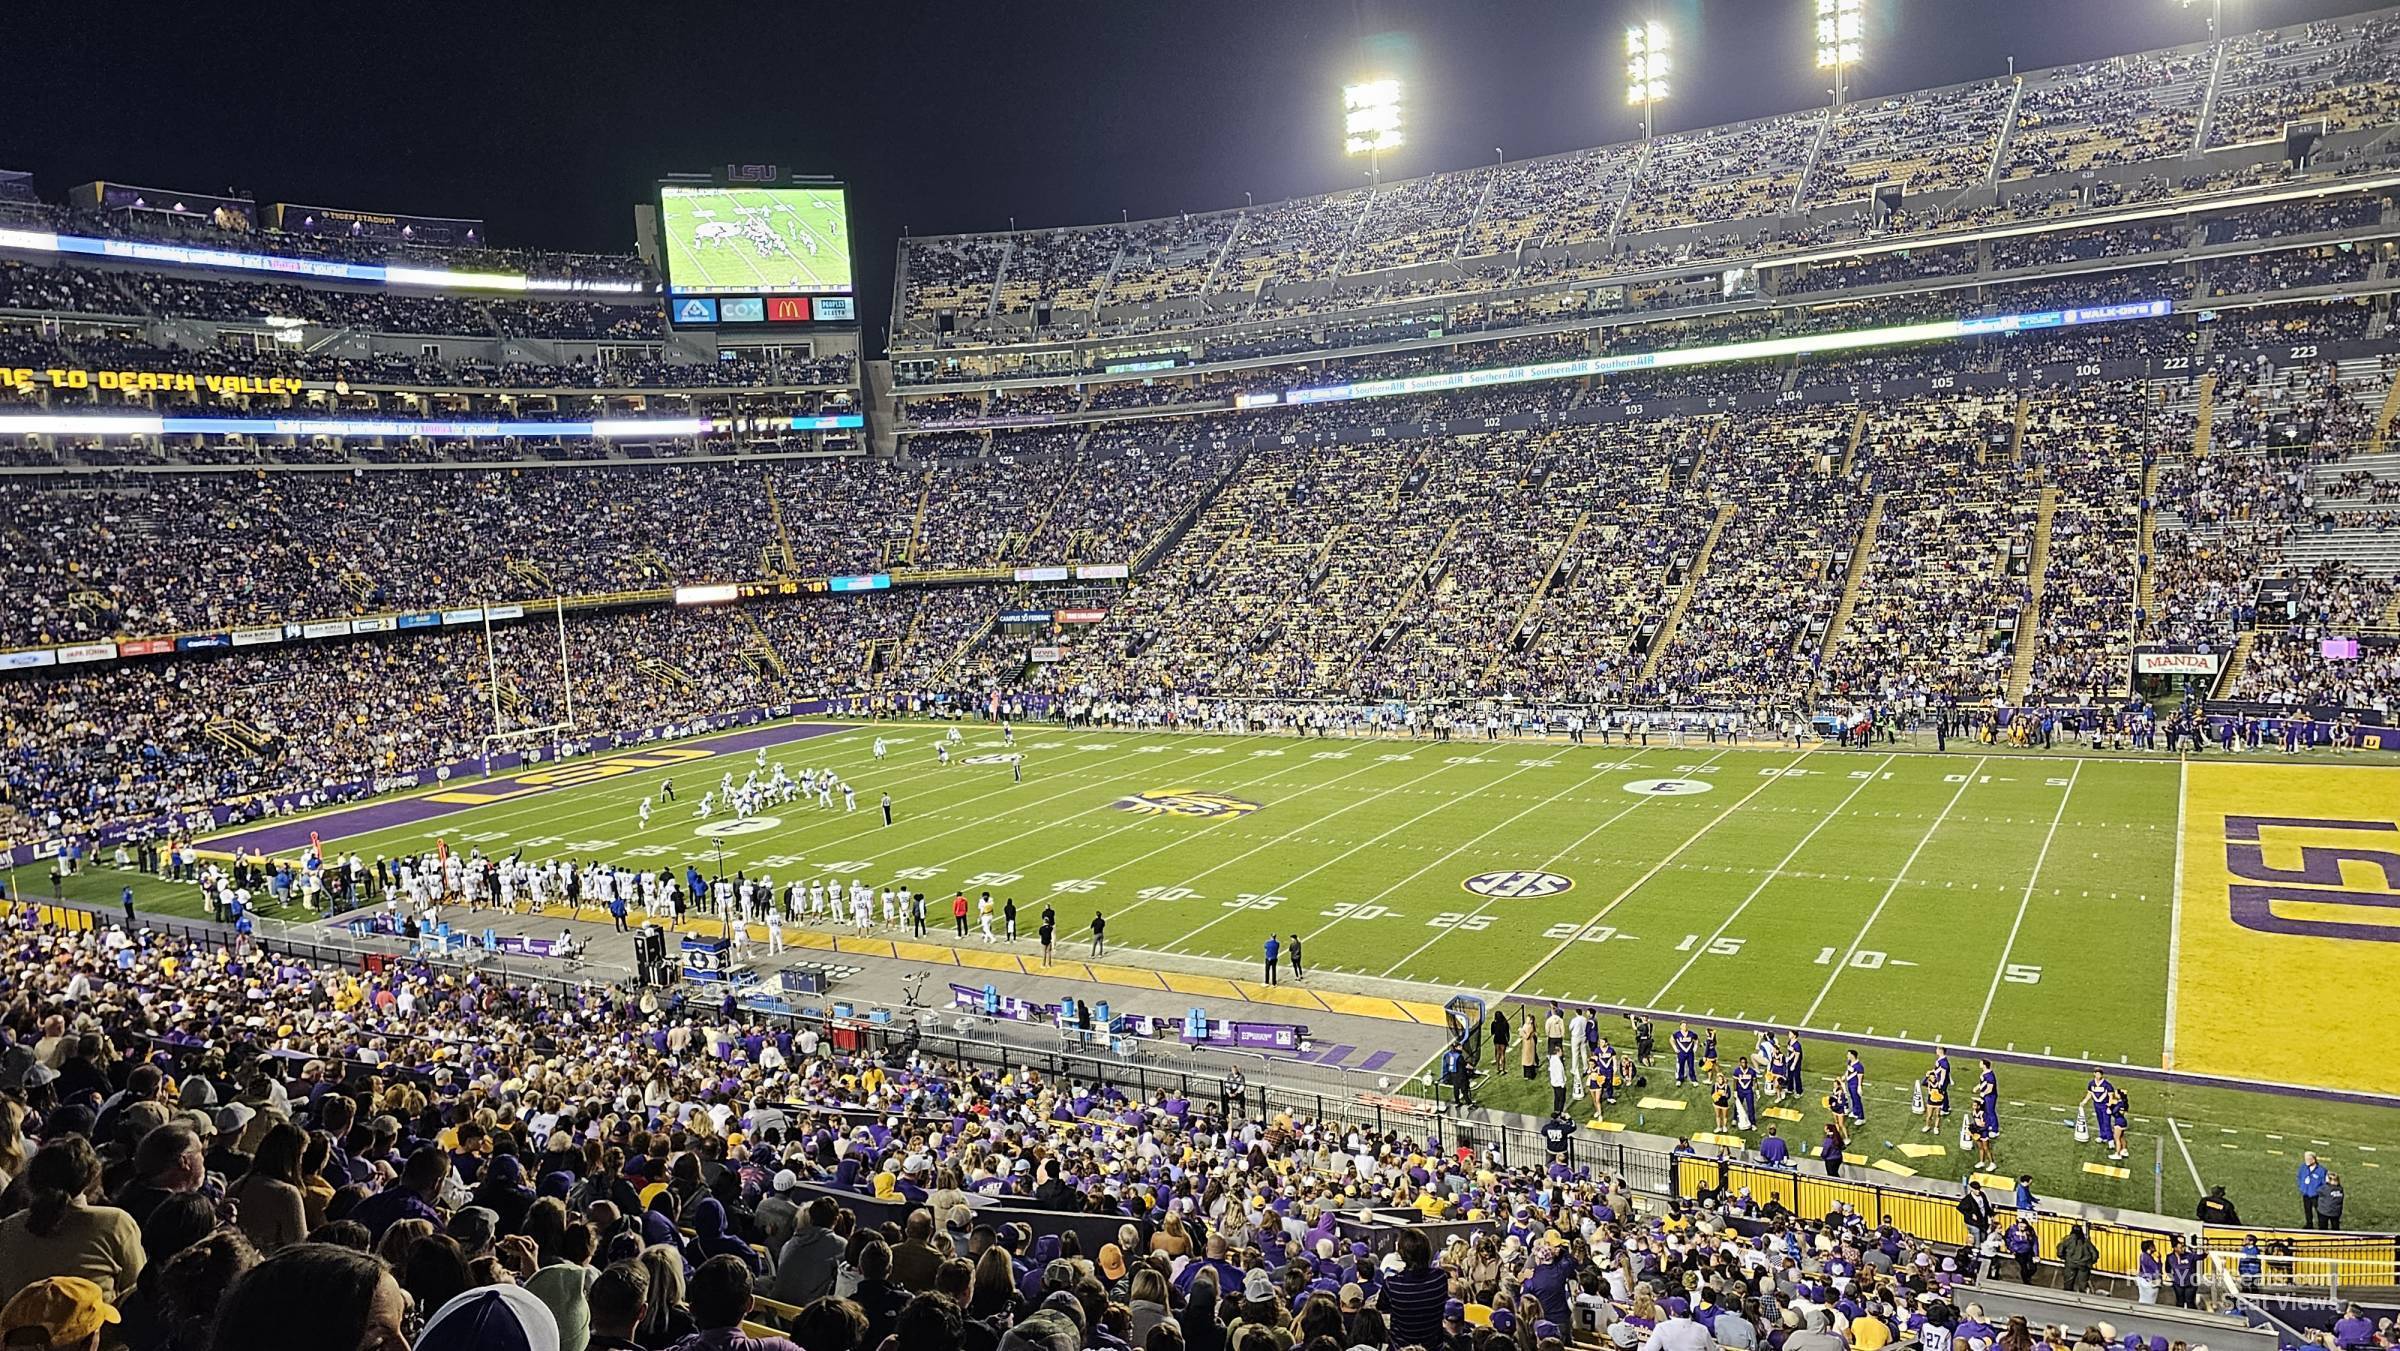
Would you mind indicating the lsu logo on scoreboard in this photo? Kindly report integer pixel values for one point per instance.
(1185, 802)
(2343, 880)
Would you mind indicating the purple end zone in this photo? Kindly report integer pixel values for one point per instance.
(392, 812)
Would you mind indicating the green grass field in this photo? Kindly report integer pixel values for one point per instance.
(2004, 900)
(725, 240)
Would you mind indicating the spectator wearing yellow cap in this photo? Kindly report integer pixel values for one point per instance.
(60, 1313)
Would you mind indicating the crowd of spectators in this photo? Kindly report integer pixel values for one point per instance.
(464, 253)
(2121, 111)
(80, 747)
(226, 1150)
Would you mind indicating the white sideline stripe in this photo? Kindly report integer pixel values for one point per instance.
(2008, 949)
(1967, 781)
(1772, 874)
(1284, 886)
(1657, 868)
(1636, 805)
(2183, 793)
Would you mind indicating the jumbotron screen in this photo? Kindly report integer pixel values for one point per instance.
(755, 240)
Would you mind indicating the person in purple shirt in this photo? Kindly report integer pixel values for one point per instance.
(1773, 1150)
(1552, 1281)
(410, 1198)
(2353, 1329)
(1412, 1297)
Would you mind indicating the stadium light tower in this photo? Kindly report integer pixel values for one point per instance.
(1371, 121)
(1649, 58)
(1841, 32)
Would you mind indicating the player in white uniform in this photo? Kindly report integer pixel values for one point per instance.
(825, 794)
(954, 738)
(708, 805)
(879, 748)
(642, 810)
(849, 798)
(816, 897)
(983, 915)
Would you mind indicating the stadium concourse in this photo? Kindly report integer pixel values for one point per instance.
(1911, 581)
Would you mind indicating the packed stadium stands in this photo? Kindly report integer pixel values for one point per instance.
(1998, 517)
(2160, 422)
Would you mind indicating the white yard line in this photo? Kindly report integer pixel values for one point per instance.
(1966, 781)
(2183, 792)
(2023, 903)
(1300, 829)
(1659, 1000)
(2177, 1132)
(1614, 817)
(1655, 869)
(1284, 887)
(1140, 821)
(984, 821)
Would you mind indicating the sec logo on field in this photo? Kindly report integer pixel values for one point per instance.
(1667, 787)
(1183, 802)
(739, 825)
(1519, 884)
(987, 759)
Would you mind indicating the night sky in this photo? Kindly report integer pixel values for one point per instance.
(551, 120)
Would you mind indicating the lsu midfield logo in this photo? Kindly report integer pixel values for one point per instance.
(2328, 906)
(1518, 884)
(1185, 802)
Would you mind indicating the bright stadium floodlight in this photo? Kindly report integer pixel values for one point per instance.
(1371, 120)
(1841, 41)
(1649, 59)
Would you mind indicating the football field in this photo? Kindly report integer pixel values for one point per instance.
(756, 239)
(2086, 909)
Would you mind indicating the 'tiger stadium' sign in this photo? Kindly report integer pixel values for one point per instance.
(1185, 802)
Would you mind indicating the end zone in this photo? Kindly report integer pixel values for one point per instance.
(2289, 924)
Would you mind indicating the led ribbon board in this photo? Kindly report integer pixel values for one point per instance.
(379, 274)
(1757, 349)
(116, 424)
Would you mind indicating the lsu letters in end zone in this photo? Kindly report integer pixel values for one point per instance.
(2289, 936)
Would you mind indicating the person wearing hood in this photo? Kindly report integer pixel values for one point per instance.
(711, 1239)
(805, 1269)
(502, 1190)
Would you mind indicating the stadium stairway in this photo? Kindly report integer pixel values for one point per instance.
(1855, 577)
(2204, 413)
(1508, 643)
(2146, 588)
(782, 554)
(2383, 419)
(1691, 584)
(1416, 582)
(2029, 619)
(1858, 431)
(2235, 660)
